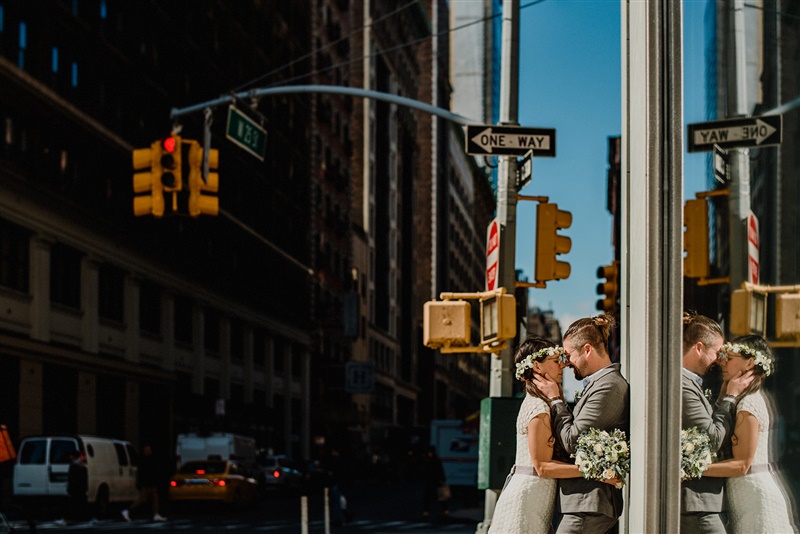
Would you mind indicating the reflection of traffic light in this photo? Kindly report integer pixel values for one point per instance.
(695, 239)
(148, 181)
(549, 220)
(748, 312)
(609, 288)
(200, 203)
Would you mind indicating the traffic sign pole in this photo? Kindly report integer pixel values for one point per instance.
(500, 376)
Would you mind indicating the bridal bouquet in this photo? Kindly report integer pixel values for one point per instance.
(602, 455)
(695, 453)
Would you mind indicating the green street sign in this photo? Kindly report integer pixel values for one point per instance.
(243, 131)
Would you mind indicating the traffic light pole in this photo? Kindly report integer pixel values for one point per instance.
(500, 375)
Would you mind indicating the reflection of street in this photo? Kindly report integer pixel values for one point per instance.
(376, 508)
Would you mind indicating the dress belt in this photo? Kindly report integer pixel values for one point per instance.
(524, 470)
(762, 468)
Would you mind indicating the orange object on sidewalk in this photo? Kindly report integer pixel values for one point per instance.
(6, 447)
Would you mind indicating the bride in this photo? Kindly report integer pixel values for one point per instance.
(756, 501)
(526, 502)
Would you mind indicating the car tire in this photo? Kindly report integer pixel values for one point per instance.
(101, 503)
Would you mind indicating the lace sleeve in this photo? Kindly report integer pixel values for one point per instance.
(531, 407)
(755, 405)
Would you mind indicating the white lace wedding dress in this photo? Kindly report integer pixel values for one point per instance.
(526, 504)
(757, 501)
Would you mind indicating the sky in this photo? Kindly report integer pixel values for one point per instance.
(570, 80)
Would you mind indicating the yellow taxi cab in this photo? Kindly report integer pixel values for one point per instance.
(213, 480)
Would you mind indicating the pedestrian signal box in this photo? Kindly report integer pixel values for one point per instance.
(446, 323)
(787, 315)
(748, 312)
(498, 319)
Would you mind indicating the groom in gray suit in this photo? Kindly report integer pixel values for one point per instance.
(588, 505)
(702, 499)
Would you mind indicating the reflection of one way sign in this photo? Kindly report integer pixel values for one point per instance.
(484, 139)
(730, 133)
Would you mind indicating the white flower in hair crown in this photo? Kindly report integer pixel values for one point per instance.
(759, 358)
(527, 362)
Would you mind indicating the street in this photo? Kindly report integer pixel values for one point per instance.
(375, 508)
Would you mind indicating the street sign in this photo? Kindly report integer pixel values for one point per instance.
(246, 133)
(492, 254)
(732, 133)
(720, 164)
(752, 248)
(488, 140)
(359, 377)
(525, 171)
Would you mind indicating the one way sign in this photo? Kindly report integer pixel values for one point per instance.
(731, 133)
(488, 140)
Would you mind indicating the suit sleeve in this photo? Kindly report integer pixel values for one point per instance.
(603, 408)
(717, 425)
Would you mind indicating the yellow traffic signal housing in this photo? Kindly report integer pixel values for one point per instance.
(787, 315)
(200, 203)
(695, 238)
(498, 319)
(549, 220)
(748, 312)
(446, 323)
(609, 288)
(148, 181)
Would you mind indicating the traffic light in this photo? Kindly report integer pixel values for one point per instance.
(609, 288)
(148, 181)
(787, 315)
(446, 323)
(171, 178)
(200, 203)
(498, 319)
(549, 219)
(748, 312)
(695, 238)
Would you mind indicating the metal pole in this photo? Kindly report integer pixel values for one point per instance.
(500, 377)
(652, 255)
(739, 200)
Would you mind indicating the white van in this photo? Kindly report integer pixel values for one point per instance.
(40, 473)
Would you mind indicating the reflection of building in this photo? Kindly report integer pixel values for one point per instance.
(771, 79)
(543, 323)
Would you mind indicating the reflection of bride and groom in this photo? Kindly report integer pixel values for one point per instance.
(545, 480)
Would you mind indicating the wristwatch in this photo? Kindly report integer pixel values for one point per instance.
(731, 398)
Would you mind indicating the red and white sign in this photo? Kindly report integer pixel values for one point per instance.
(492, 254)
(752, 248)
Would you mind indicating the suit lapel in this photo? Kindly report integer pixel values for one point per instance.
(600, 374)
(694, 385)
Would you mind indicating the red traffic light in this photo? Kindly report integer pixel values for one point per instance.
(169, 144)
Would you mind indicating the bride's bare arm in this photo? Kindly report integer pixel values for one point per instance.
(540, 446)
(745, 439)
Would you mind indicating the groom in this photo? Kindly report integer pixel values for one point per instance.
(702, 499)
(588, 505)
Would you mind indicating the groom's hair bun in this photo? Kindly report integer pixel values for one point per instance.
(592, 330)
(700, 328)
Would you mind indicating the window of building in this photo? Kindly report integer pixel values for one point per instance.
(54, 59)
(150, 308)
(23, 44)
(111, 292)
(65, 276)
(237, 340)
(211, 339)
(183, 320)
(74, 74)
(259, 348)
(14, 256)
(277, 355)
(297, 361)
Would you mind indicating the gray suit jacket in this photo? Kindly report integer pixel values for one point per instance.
(604, 405)
(704, 494)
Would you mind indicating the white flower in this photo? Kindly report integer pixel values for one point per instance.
(608, 473)
(527, 363)
(689, 448)
(759, 358)
(598, 449)
(695, 453)
(601, 455)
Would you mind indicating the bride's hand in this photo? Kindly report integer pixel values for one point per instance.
(616, 482)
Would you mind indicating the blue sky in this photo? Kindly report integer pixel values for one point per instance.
(570, 80)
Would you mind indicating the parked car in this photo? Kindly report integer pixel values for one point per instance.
(214, 480)
(280, 473)
(195, 446)
(40, 474)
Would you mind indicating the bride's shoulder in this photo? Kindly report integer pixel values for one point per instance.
(755, 404)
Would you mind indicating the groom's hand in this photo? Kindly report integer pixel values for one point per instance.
(547, 385)
(739, 383)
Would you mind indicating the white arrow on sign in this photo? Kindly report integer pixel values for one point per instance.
(489, 140)
(759, 131)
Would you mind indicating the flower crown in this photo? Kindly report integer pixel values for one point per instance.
(527, 362)
(759, 358)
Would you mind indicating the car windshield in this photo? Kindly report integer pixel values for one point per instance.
(203, 468)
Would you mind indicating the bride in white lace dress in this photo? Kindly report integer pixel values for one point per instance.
(757, 500)
(526, 503)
